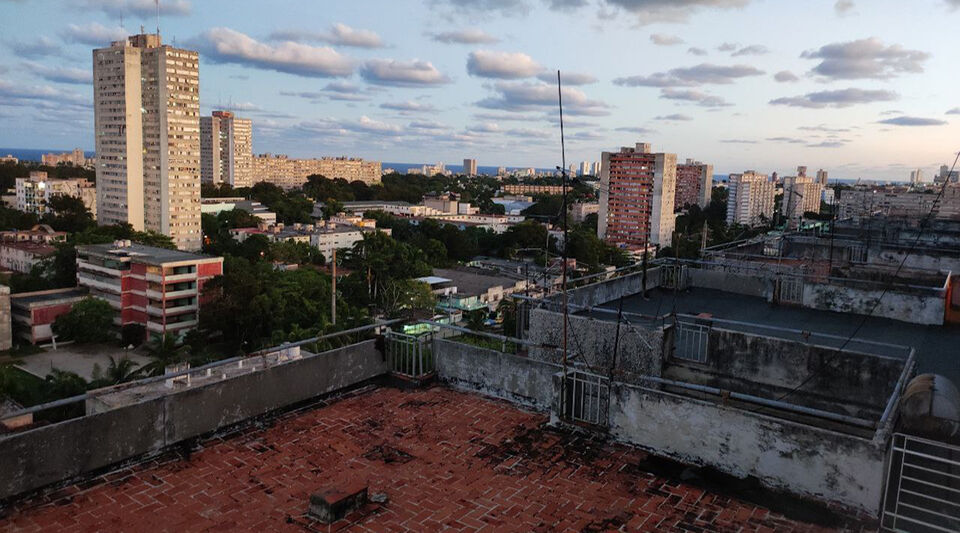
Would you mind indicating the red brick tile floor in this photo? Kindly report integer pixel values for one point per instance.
(446, 460)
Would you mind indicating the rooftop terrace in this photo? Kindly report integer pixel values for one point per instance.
(444, 459)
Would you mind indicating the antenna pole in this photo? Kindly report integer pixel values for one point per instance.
(157, 2)
(563, 213)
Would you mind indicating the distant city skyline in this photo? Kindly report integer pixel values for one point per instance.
(859, 92)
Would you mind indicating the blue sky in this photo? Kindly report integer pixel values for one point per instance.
(862, 89)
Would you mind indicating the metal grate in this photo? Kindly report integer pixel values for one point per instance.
(691, 342)
(585, 398)
(673, 277)
(410, 355)
(923, 486)
(789, 290)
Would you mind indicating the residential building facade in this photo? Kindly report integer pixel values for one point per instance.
(76, 158)
(157, 288)
(694, 184)
(470, 167)
(751, 198)
(226, 149)
(34, 192)
(637, 196)
(21, 250)
(147, 125)
(801, 194)
(289, 173)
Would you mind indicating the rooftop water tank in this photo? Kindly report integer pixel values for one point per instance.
(931, 407)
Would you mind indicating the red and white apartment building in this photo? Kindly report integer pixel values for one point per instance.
(637, 190)
(158, 288)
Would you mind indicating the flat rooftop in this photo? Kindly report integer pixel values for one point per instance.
(444, 459)
(28, 299)
(936, 346)
(145, 254)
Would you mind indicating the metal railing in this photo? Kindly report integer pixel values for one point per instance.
(410, 355)
(691, 341)
(923, 486)
(585, 398)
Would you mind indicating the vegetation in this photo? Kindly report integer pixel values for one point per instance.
(90, 320)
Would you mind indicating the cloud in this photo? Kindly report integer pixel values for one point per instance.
(660, 39)
(700, 98)
(42, 46)
(728, 47)
(843, 7)
(428, 125)
(529, 133)
(828, 144)
(891, 112)
(506, 7)
(224, 45)
(41, 96)
(865, 59)
(61, 74)
(837, 98)
(954, 111)
(408, 106)
(93, 34)
(465, 36)
(674, 117)
(912, 121)
(637, 130)
(141, 8)
(343, 91)
(338, 127)
(397, 73)
(339, 34)
(485, 127)
(650, 11)
(514, 96)
(568, 78)
(703, 73)
(788, 140)
(738, 141)
(752, 50)
(785, 76)
(501, 65)
(824, 128)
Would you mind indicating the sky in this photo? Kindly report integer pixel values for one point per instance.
(860, 88)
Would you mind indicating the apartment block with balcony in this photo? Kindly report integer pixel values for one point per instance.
(637, 189)
(158, 288)
(694, 184)
(35, 192)
(751, 198)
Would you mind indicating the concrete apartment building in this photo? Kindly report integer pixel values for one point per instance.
(75, 158)
(226, 149)
(147, 118)
(822, 177)
(35, 191)
(751, 198)
(21, 250)
(892, 201)
(289, 173)
(637, 192)
(326, 236)
(947, 175)
(157, 288)
(801, 194)
(694, 184)
(470, 167)
(532, 189)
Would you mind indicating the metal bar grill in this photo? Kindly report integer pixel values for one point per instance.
(692, 342)
(923, 486)
(409, 355)
(585, 397)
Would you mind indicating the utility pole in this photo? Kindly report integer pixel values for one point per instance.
(333, 290)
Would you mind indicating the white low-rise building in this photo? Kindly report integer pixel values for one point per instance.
(34, 192)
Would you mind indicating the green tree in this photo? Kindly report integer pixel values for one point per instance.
(331, 206)
(90, 320)
(476, 319)
(68, 213)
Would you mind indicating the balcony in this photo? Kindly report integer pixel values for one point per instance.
(171, 278)
(181, 293)
(158, 328)
(88, 281)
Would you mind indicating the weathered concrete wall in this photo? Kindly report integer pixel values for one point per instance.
(602, 292)
(493, 373)
(919, 308)
(796, 458)
(639, 352)
(766, 364)
(46, 455)
(6, 328)
(728, 282)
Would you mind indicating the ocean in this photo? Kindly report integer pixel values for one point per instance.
(30, 154)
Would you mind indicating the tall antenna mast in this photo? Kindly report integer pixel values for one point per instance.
(158, 16)
(563, 213)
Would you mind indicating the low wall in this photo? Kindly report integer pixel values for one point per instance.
(492, 373)
(795, 458)
(46, 455)
(603, 292)
(736, 283)
(928, 308)
(592, 341)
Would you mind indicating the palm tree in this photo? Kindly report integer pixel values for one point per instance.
(121, 371)
(165, 351)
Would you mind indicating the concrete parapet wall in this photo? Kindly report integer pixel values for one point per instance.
(603, 292)
(591, 341)
(39, 457)
(493, 373)
(926, 307)
(729, 282)
(796, 458)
